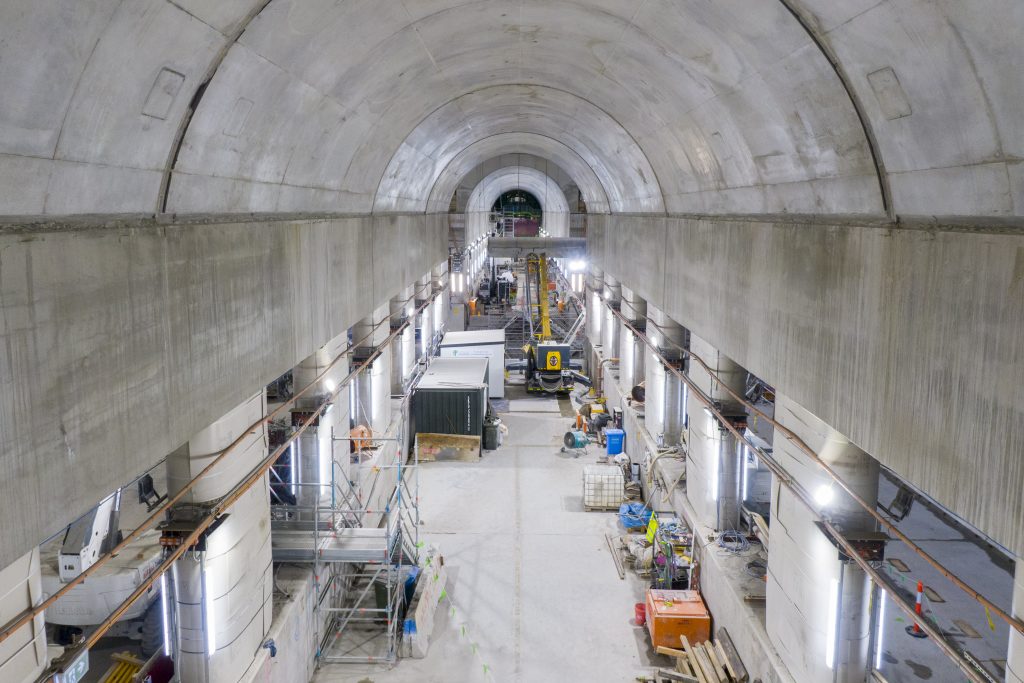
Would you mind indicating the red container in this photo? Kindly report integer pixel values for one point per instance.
(640, 610)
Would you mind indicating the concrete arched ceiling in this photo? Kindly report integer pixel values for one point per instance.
(522, 149)
(593, 135)
(725, 107)
(539, 184)
(469, 180)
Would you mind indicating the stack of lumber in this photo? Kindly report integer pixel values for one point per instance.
(715, 661)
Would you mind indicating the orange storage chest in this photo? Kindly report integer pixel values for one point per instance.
(671, 614)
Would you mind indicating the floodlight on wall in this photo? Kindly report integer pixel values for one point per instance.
(654, 339)
(330, 385)
(824, 495)
(577, 266)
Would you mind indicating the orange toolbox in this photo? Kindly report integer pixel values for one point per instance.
(671, 614)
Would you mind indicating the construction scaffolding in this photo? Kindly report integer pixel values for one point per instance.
(362, 539)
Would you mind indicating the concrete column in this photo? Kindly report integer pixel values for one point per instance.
(314, 450)
(817, 606)
(401, 348)
(422, 324)
(714, 466)
(654, 400)
(634, 308)
(223, 594)
(1015, 656)
(595, 307)
(23, 654)
(671, 338)
(626, 355)
(373, 385)
(612, 295)
(440, 307)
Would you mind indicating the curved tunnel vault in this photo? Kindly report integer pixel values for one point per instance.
(566, 181)
(729, 107)
(694, 132)
(552, 200)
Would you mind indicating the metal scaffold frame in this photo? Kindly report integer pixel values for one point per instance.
(360, 553)
(347, 591)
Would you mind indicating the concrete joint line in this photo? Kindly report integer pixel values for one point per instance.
(197, 96)
(821, 41)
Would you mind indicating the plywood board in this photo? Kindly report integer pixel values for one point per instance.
(448, 447)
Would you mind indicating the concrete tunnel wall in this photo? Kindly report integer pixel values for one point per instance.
(122, 343)
(868, 107)
(906, 341)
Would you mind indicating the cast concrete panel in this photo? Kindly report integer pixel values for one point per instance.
(125, 111)
(961, 107)
(907, 341)
(120, 343)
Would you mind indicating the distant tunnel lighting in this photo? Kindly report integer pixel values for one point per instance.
(352, 398)
(330, 385)
(165, 615)
(410, 309)
(880, 638)
(608, 295)
(292, 465)
(833, 625)
(824, 495)
(654, 339)
(742, 448)
(577, 266)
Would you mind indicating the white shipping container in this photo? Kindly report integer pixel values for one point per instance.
(488, 344)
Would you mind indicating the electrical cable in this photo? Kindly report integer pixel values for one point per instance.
(732, 541)
(27, 615)
(827, 526)
(757, 569)
(799, 443)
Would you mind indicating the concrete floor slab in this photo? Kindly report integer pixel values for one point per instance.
(535, 594)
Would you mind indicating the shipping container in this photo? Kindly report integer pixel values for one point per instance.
(451, 397)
